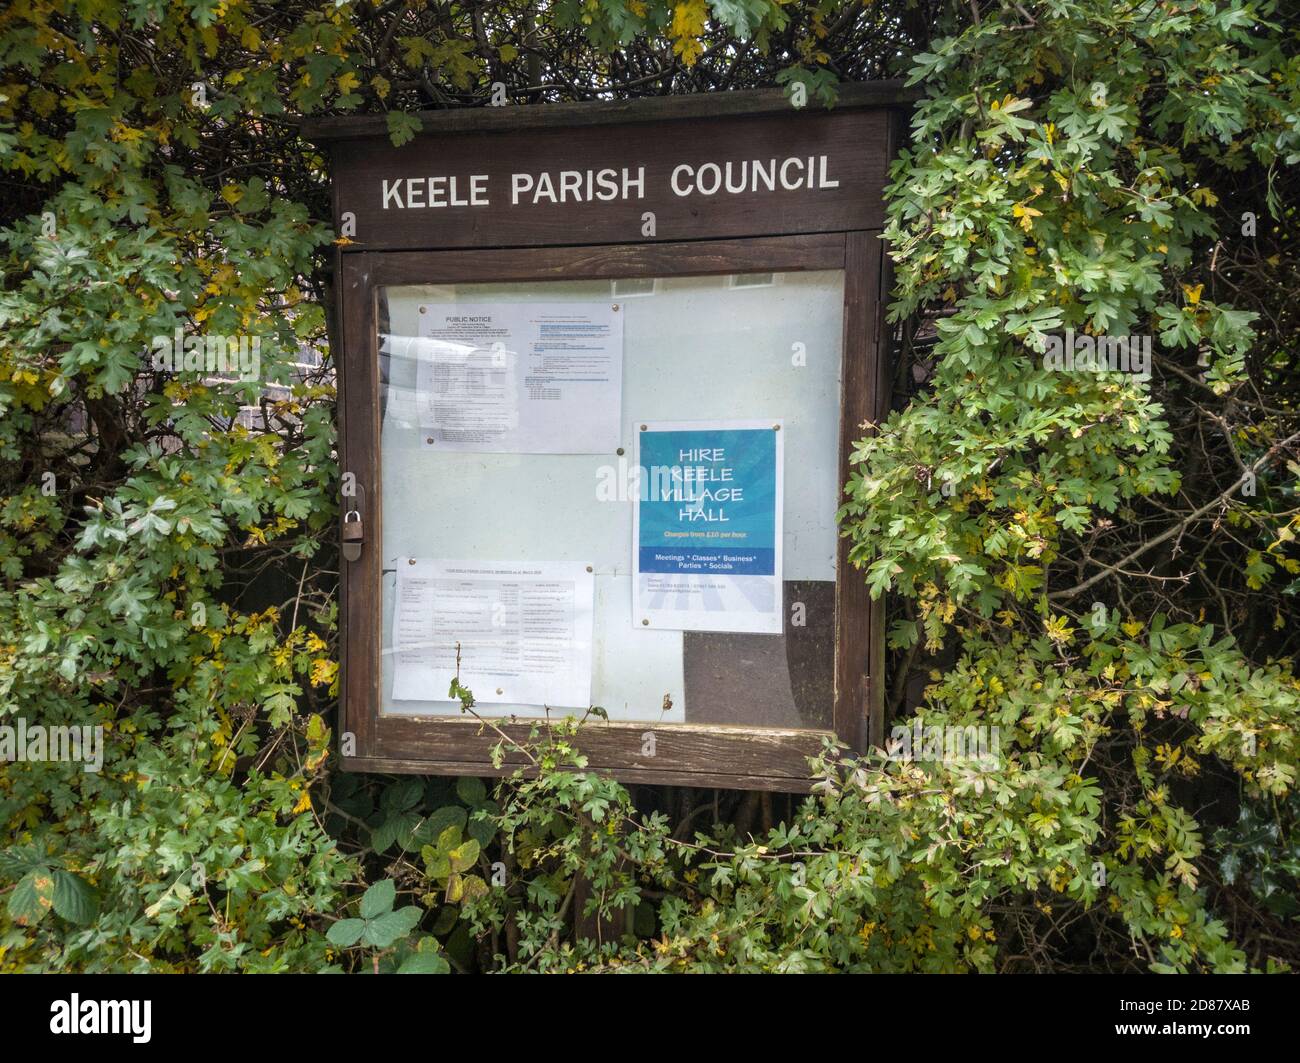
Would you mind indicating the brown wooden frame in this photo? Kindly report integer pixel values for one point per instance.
(685, 754)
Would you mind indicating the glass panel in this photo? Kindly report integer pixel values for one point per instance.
(491, 545)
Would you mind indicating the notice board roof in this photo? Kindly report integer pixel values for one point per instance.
(851, 95)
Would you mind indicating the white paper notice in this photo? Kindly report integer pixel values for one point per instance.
(520, 378)
(524, 632)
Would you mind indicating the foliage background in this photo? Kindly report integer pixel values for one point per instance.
(1070, 558)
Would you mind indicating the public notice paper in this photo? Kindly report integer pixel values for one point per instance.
(524, 631)
(520, 378)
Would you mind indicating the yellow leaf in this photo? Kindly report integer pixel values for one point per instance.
(689, 19)
(1025, 213)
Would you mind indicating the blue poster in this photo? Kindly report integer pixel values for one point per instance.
(708, 525)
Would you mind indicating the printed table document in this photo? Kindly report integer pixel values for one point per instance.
(524, 630)
(520, 378)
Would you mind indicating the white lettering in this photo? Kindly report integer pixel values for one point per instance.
(608, 186)
(715, 178)
(519, 183)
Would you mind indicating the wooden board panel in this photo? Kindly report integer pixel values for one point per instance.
(359, 604)
(670, 776)
(859, 410)
(780, 254)
(778, 756)
(801, 172)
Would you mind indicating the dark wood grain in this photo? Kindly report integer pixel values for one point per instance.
(853, 142)
(778, 756)
(669, 776)
(359, 601)
(858, 410)
(783, 254)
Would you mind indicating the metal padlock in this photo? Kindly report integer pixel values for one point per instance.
(353, 535)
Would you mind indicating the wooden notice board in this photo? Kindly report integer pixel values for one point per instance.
(707, 265)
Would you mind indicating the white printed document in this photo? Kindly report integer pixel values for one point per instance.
(524, 631)
(520, 378)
